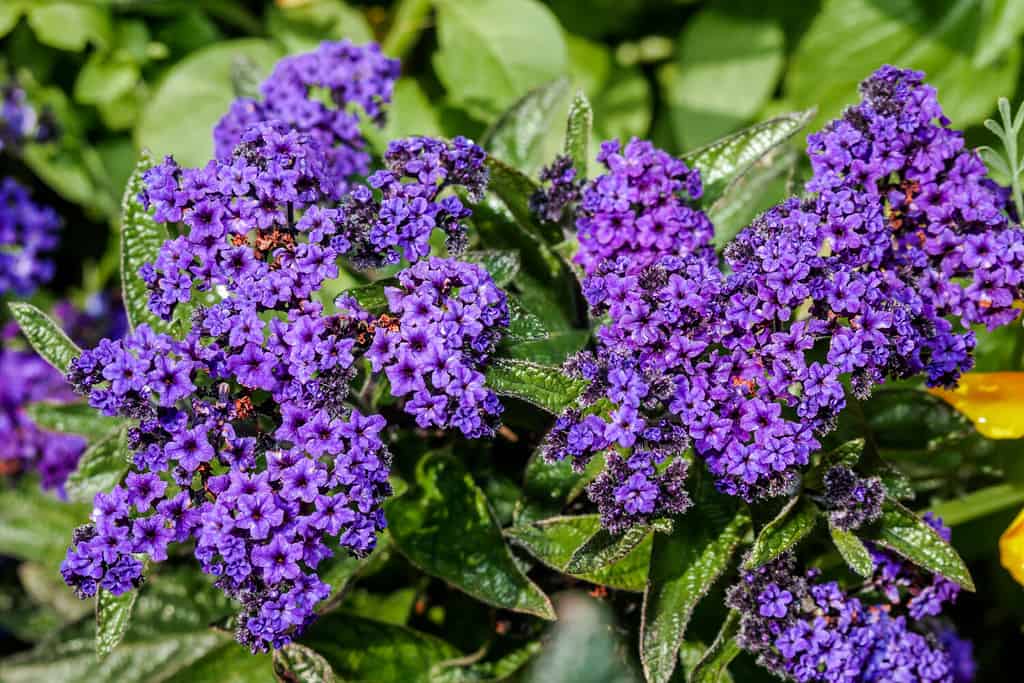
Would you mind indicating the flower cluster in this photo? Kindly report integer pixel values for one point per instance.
(28, 231)
(852, 501)
(806, 630)
(316, 94)
(560, 189)
(20, 122)
(639, 209)
(24, 447)
(446, 318)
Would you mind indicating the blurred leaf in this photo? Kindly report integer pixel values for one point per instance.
(796, 520)
(301, 27)
(992, 401)
(853, 551)
(552, 350)
(411, 113)
(70, 25)
(590, 63)
(517, 136)
(906, 534)
(1002, 25)
(363, 650)
(491, 52)
(727, 66)
(711, 668)
(724, 161)
(390, 608)
(515, 188)
(141, 239)
(193, 96)
(1011, 548)
(623, 108)
(543, 386)
(684, 566)
(297, 663)
(113, 615)
(577, 133)
(409, 18)
(849, 39)
(103, 79)
(45, 336)
(553, 542)
(977, 504)
(10, 14)
(100, 468)
(34, 526)
(447, 528)
(72, 418)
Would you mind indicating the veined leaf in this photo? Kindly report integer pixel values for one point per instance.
(34, 526)
(604, 548)
(791, 526)
(113, 615)
(516, 137)
(853, 551)
(502, 264)
(45, 336)
(514, 188)
(543, 386)
(141, 239)
(100, 468)
(297, 663)
(523, 326)
(712, 666)
(577, 133)
(72, 418)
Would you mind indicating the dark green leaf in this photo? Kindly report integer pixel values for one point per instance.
(72, 418)
(141, 239)
(523, 326)
(364, 650)
(724, 161)
(577, 133)
(100, 468)
(604, 548)
(517, 136)
(784, 532)
(553, 541)
(684, 566)
(515, 188)
(228, 663)
(543, 386)
(906, 534)
(45, 336)
(295, 663)
(446, 528)
(113, 615)
(550, 351)
(853, 551)
(979, 503)
(690, 654)
(34, 526)
(712, 666)
(549, 486)
(502, 264)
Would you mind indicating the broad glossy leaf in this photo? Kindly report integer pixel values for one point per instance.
(34, 526)
(491, 52)
(297, 663)
(227, 663)
(853, 551)
(712, 667)
(141, 239)
(906, 534)
(518, 135)
(45, 336)
(604, 548)
(523, 326)
(724, 161)
(72, 418)
(690, 654)
(361, 650)
(553, 541)
(684, 566)
(544, 386)
(552, 350)
(193, 95)
(447, 528)
(113, 615)
(101, 467)
(549, 486)
(502, 264)
(371, 296)
(789, 527)
(577, 132)
(766, 184)
(515, 188)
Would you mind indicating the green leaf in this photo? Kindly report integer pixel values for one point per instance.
(70, 26)
(684, 566)
(852, 550)
(301, 27)
(577, 133)
(371, 296)
(72, 418)
(297, 663)
(624, 107)
(727, 66)
(34, 526)
(523, 326)
(553, 541)
(796, 520)
(141, 239)
(1002, 25)
(193, 96)
(543, 386)
(515, 188)
(762, 187)
(103, 79)
(101, 467)
(550, 485)
(447, 529)
(45, 336)
(228, 663)
(724, 161)
(690, 654)
(848, 39)
(518, 135)
(360, 649)
(552, 350)
(502, 264)
(604, 548)
(906, 534)
(712, 666)
(411, 113)
(491, 52)
(10, 14)
(113, 615)
(978, 503)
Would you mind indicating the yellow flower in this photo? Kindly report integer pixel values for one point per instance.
(993, 401)
(1011, 548)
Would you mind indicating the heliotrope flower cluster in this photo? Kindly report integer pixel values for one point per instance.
(317, 94)
(24, 447)
(803, 629)
(852, 501)
(20, 121)
(28, 232)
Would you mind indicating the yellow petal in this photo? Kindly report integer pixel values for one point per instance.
(1011, 548)
(993, 401)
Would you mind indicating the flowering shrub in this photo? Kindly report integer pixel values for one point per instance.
(344, 355)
